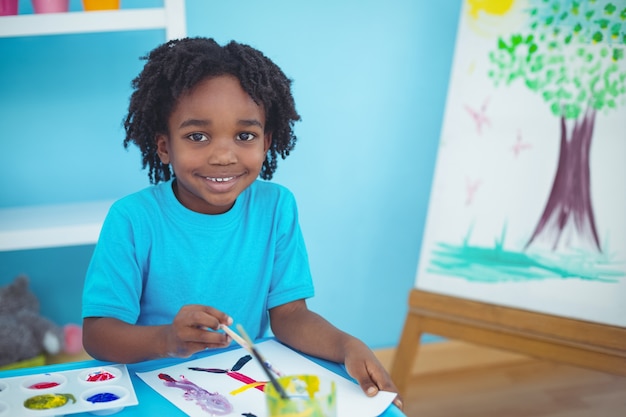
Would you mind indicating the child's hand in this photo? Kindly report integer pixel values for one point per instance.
(372, 377)
(190, 330)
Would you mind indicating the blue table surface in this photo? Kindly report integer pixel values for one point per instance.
(150, 402)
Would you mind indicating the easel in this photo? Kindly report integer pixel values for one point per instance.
(576, 342)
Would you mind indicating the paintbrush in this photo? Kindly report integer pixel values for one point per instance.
(279, 389)
(241, 342)
(235, 337)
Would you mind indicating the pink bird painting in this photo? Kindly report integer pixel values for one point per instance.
(479, 116)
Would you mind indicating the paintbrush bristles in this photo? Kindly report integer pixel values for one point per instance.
(263, 363)
(248, 341)
(279, 389)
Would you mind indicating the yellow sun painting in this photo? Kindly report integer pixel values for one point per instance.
(497, 7)
(491, 18)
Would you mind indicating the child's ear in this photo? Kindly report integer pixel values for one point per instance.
(163, 148)
(267, 140)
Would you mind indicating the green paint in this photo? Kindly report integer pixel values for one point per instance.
(497, 264)
(559, 50)
(609, 9)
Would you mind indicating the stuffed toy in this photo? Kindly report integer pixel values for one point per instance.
(24, 333)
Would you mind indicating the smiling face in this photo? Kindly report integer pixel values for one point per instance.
(216, 144)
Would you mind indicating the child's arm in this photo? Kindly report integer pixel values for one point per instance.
(295, 325)
(113, 340)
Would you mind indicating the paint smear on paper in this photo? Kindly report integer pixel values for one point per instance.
(233, 373)
(211, 402)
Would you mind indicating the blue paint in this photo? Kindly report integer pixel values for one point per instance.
(103, 397)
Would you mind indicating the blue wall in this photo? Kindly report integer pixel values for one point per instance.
(370, 81)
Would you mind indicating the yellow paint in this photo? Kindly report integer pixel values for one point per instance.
(247, 387)
(496, 7)
(472, 67)
(305, 413)
(47, 401)
(305, 398)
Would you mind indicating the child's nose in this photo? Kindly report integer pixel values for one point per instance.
(222, 152)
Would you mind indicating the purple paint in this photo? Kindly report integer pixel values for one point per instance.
(570, 198)
(211, 402)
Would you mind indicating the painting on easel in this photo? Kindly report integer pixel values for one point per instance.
(528, 200)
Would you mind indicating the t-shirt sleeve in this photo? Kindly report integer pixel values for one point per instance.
(291, 279)
(113, 281)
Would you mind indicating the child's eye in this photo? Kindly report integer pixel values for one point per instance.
(197, 137)
(246, 136)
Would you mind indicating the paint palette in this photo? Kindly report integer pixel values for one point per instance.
(100, 391)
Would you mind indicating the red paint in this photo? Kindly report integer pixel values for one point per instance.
(44, 385)
(245, 379)
(100, 376)
(166, 377)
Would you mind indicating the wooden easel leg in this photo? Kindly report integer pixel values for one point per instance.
(405, 354)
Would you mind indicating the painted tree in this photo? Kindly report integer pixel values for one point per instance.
(572, 55)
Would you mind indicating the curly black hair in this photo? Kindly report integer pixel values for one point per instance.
(175, 67)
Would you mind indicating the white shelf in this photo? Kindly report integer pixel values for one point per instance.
(35, 227)
(171, 18)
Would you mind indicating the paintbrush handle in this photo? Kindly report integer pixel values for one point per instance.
(271, 368)
(236, 337)
(273, 380)
(264, 364)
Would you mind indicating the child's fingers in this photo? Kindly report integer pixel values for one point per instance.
(372, 378)
(199, 316)
(189, 340)
(398, 402)
(220, 316)
(370, 387)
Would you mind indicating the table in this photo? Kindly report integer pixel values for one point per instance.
(151, 403)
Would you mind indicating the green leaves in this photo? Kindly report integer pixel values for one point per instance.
(568, 55)
(597, 37)
(609, 9)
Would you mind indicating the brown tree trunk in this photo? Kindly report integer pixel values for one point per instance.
(568, 219)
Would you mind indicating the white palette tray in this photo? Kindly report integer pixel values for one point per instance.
(68, 392)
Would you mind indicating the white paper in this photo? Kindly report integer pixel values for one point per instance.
(351, 401)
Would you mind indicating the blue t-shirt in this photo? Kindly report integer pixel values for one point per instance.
(154, 256)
